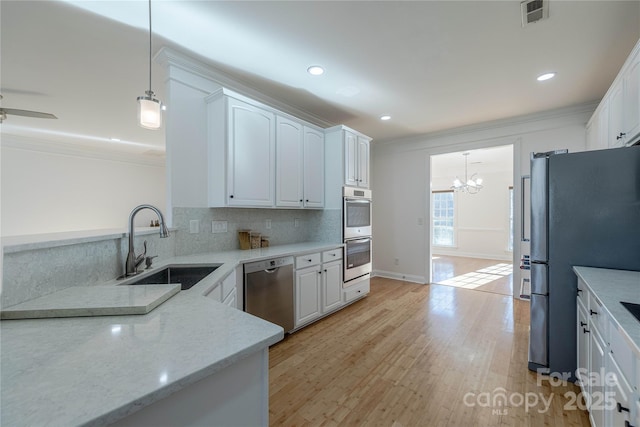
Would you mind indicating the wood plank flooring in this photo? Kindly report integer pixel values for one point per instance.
(412, 355)
(486, 275)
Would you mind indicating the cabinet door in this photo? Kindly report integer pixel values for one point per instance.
(596, 365)
(616, 132)
(583, 349)
(619, 392)
(331, 286)
(288, 163)
(313, 167)
(350, 159)
(251, 155)
(308, 283)
(632, 100)
(363, 162)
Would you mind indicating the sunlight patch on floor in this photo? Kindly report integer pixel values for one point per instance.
(480, 277)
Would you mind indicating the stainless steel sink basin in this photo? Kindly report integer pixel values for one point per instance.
(187, 276)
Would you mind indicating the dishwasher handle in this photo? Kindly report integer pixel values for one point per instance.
(271, 270)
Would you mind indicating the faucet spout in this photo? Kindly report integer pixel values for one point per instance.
(131, 265)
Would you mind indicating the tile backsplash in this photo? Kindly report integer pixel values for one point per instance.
(31, 273)
(312, 225)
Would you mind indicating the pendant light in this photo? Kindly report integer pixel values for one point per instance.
(470, 185)
(149, 108)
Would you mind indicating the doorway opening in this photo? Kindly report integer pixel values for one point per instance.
(472, 216)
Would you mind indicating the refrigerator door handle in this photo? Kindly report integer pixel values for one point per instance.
(525, 207)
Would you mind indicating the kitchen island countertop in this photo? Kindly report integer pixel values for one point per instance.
(611, 287)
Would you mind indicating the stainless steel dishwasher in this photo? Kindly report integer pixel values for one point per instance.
(268, 291)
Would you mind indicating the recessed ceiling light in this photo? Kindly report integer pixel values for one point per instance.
(315, 70)
(385, 117)
(546, 76)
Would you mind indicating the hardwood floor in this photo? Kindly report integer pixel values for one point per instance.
(412, 355)
(486, 275)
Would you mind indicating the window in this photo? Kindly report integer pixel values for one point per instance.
(510, 243)
(443, 208)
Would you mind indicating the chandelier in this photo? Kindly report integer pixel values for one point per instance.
(470, 185)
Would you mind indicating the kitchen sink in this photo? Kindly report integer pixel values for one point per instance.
(187, 276)
(633, 308)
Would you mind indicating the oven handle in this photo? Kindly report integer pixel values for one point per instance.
(357, 200)
(365, 239)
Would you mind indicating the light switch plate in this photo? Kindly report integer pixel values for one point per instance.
(267, 224)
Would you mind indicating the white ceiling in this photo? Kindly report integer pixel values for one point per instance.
(431, 65)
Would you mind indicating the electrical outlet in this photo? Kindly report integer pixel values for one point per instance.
(218, 226)
(296, 223)
(396, 261)
(267, 224)
(194, 226)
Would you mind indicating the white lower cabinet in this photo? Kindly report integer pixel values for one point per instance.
(605, 365)
(308, 284)
(318, 285)
(331, 286)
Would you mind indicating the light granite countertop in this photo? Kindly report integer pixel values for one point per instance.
(96, 370)
(611, 287)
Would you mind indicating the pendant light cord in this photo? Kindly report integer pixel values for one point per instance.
(150, 91)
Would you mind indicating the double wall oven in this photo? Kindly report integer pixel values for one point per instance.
(357, 234)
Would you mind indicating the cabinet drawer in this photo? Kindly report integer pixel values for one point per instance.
(597, 315)
(332, 255)
(356, 291)
(621, 352)
(583, 294)
(308, 260)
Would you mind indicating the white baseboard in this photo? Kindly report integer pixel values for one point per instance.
(399, 276)
(505, 257)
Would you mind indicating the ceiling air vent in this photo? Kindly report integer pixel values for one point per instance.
(534, 11)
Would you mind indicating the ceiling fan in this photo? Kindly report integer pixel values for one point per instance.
(25, 113)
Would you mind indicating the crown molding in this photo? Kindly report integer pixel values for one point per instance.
(168, 58)
(56, 147)
(496, 129)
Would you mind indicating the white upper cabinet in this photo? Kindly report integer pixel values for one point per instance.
(632, 99)
(313, 168)
(288, 163)
(259, 157)
(241, 153)
(299, 165)
(618, 115)
(350, 150)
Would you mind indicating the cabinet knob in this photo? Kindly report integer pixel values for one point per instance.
(307, 200)
(593, 312)
(585, 331)
(622, 135)
(579, 290)
(621, 408)
(583, 324)
(300, 200)
(309, 260)
(231, 196)
(319, 272)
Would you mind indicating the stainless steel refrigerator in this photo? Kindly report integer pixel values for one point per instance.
(585, 210)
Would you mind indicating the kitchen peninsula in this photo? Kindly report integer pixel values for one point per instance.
(190, 360)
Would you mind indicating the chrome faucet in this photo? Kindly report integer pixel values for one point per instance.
(134, 261)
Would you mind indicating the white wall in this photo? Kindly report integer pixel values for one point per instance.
(400, 187)
(481, 220)
(46, 192)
